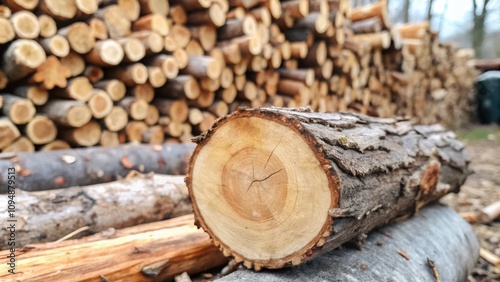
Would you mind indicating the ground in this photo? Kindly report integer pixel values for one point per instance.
(481, 189)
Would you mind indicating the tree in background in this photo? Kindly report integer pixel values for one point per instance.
(479, 15)
(429, 11)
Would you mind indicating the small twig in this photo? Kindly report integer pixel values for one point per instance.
(103, 278)
(72, 234)
(489, 257)
(434, 269)
(403, 254)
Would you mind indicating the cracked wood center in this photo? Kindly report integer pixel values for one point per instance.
(251, 193)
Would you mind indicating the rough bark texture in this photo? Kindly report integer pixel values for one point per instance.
(155, 251)
(87, 166)
(436, 233)
(377, 170)
(50, 215)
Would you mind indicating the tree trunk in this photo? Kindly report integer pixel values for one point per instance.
(46, 170)
(155, 251)
(124, 203)
(295, 183)
(454, 253)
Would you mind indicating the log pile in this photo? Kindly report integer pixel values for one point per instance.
(83, 73)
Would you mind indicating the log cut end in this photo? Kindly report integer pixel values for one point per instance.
(259, 192)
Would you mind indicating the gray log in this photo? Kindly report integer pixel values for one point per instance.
(46, 216)
(47, 170)
(436, 233)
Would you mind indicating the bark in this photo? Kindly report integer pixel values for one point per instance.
(92, 165)
(150, 252)
(128, 202)
(454, 253)
(371, 171)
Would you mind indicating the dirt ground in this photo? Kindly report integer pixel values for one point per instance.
(481, 189)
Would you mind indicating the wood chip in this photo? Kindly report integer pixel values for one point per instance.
(126, 163)
(59, 181)
(403, 254)
(68, 159)
(24, 172)
(363, 267)
(380, 244)
(434, 270)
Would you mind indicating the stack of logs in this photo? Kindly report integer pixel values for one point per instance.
(82, 73)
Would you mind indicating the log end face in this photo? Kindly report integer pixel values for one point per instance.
(247, 192)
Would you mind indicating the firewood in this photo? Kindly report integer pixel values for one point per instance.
(86, 7)
(182, 248)
(413, 31)
(181, 56)
(113, 87)
(87, 135)
(133, 48)
(79, 36)
(116, 21)
(152, 41)
(204, 101)
(154, 135)
(25, 25)
(67, 113)
(8, 132)
(109, 139)
(41, 130)
(79, 88)
(156, 77)
(304, 75)
(21, 58)
(167, 63)
(19, 110)
(206, 35)
(180, 87)
(37, 95)
(117, 119)
(181, 35)
(134, 130)
(427, 179)
(377, 9)
(93, 73)
(48, 26)
(375, 40)
(215, 16)
(154, 6)
(130, 75)
(153, 22)
(52, 73)
(56, 45)
(144, 91)
(98, 28)
(8, 33)
(204, 66)
(18, 5)
(228, 95)
(60, 10)
(55, 145)
(153, 115)
(136, 108)
(5, 12)
(178, 14)
(100, 104)
(484, 216)
(106, 53)
(173, 129)
(236, 27)
(193, 48)
(195, 116)
(177, 110)
(22, 144)
(74, 62)
(219, 109)
(345, 264)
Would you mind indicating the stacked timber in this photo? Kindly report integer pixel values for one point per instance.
(106, 72)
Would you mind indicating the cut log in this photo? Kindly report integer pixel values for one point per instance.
(48, 27)
(67, 113)
(79, 36)
(86, 7)
(177, 110)
(206, 35)
(18, 5)
(114, 87)
(41, 130)
(87, 135)
(132, 8)
(19, 110)
(61, 10)
(99, 29)
(377, 9)
(22, 144)
(154, 7)
(79, 88)
(135, 200)
(56, 45)
(7, 31)
(25, 25)
(117, 119)
(152, 41)
(153, 22)
(134, 130)
(36, 94)
(116, 20)
(144, 91)
(8, 133)
(21, 58)
(418, 164)
(137, 109)
(109, 139)
(484, 216)
(93, 73)
(180, 87)
(106, 53)
(156, 77)
(130, 75)
(153, 115)
(150, 252)
(204, 66)
(5, 12)
(100, 104)
(453, 263)
(167, 63)
(154, 135)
